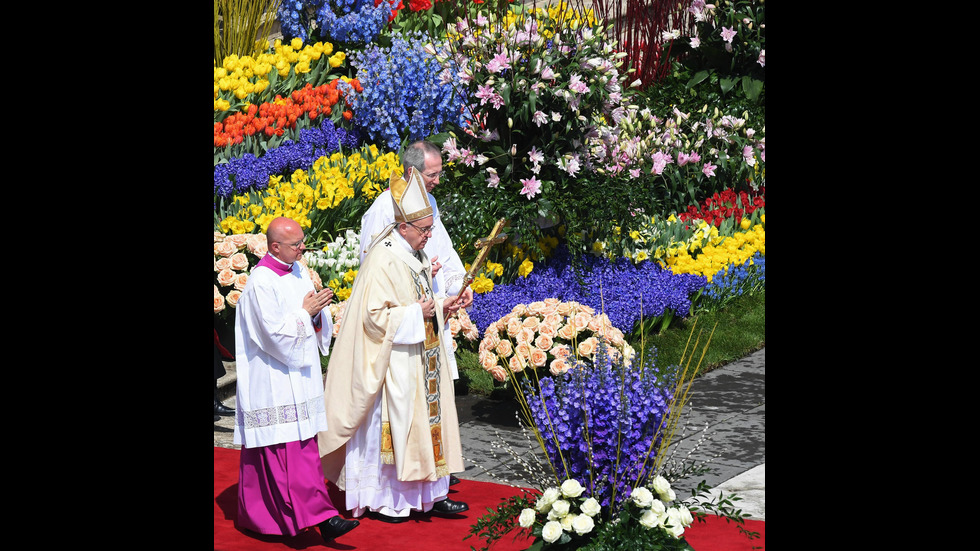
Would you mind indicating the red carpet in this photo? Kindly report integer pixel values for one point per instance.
(423, 532)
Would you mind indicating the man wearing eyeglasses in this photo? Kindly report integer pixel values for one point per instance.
(447, 269)
(281, 328)
(393, 438)
(447, 266)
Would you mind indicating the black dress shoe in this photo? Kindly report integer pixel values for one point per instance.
(389, 519)
(453, 480)
(449, 507)
(221, 409)
(336, 526)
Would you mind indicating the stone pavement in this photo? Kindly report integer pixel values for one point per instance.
(722, 428)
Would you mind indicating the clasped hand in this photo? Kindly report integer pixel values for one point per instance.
(313, 302)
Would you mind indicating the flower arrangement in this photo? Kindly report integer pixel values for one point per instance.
(538, 83)
(406, 94)
(285, 67)
(565, 517)
(333, 193)
(623, 291)
(547, 334)
(462, 327)
(250, 172)
(298, 110)
(604, 426)
(337, 263)
(234, 256)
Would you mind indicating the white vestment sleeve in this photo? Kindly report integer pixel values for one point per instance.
(412, 328)
(325, 336)
(283, 331)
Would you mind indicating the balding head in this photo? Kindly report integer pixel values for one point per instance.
(285, 239)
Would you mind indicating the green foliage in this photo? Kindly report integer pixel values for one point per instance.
(732, 66)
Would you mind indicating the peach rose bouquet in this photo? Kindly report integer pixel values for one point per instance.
(548, 337)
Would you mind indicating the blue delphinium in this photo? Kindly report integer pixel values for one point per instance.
(601, 423)
(352, 21)
(295, 17)
(624, 291)
(249, 172)
(404, 96)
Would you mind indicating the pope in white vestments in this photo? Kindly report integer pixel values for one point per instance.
(393, 436)
(449, 277)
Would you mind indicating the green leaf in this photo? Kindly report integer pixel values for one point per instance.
(727, 84)
(752, 87)
(698, 78)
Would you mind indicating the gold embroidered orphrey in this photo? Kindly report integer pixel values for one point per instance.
(430, 363)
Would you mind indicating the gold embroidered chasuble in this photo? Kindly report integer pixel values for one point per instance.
(420, 429)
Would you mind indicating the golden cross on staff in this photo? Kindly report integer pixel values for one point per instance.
(483, 245)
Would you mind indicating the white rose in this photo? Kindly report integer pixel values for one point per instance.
(658, 507)
(591, 507)
(583, 524)
(566, 522)
(642, 497)
(650, 519)
(685, 516)
(662, 487)
(673, 524)
(526, 520)
(559, 509)
(551, 531)
(571, 488)
(547, 498)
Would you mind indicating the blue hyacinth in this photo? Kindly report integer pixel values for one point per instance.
(617, 288)
(249, 172)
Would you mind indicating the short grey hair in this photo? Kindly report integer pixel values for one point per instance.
(415, 152)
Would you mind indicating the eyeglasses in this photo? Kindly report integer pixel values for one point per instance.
(434, 175)
(422, 231)
(295, 245)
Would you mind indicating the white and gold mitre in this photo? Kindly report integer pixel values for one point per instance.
(410, 198)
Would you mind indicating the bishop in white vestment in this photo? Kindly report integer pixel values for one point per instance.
(393, 436)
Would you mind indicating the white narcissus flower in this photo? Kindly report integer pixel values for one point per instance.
(583, 524)
(526, 520)
(571, 488)
(642, 497)
(591, 507)
(551, 531)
